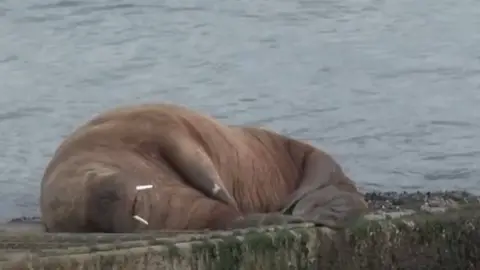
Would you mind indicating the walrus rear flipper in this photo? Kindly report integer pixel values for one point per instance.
(195, 165)
(326, 196)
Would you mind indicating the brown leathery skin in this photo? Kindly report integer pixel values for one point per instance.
(90, 183)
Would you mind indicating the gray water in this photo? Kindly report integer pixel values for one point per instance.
(389, 87)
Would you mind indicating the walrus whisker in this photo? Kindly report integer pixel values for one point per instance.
(143, 187)
(140, 219)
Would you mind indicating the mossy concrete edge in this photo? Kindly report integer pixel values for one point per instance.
(447, 240)
(450, 239)
(272, 247)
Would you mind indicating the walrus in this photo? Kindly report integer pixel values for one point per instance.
(163, 166)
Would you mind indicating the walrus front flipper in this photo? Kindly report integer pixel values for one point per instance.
(326, 196)
(195, 165)
(330, 207)
(264, 219)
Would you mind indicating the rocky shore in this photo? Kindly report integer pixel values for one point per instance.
(394, 204)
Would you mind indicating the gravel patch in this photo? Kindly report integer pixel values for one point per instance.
(394, 204)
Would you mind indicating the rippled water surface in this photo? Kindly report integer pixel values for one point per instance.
(389, 87)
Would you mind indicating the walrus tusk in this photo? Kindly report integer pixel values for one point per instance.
(143, 187)
(140, 219)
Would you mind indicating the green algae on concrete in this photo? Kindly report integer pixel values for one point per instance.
(448, 240)
(291, 247)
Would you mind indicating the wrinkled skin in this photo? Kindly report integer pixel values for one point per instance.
(204, 175)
